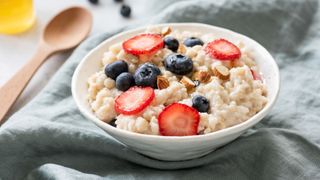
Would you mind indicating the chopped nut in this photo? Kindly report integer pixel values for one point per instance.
(236, 63)
(227, 64)
(162, 82)
(202, 76)
(165, 31)
(188, 83)
(221, 72)
(182, 49)
(144, 57)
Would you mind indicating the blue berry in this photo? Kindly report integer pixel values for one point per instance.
(124, 81)
(196, 83)
(125, 10)
(146, 75)
(113, 122)
(114, 69)
(171, 43)
(200, 103)
(193, 41)
(178, 64)
(94, 1)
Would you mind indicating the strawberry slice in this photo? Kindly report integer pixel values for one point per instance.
(134, 100)
(223, 50)
(143, 44)
(256, 75)
(178, 120)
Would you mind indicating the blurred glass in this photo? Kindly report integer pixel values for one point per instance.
(16, 16)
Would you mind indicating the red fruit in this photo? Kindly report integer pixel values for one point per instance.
(178, 120)
(256, 75)
(143, 44)
(134, 100)
(223, 50)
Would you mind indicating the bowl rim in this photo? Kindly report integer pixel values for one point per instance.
(220, 133)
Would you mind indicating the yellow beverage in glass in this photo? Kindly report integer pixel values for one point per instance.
(16, 16)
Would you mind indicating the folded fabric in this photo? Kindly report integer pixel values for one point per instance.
(50, 139)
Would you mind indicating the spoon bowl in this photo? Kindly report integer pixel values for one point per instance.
(68, 28)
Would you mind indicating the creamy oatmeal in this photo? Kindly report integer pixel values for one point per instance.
(193, 83)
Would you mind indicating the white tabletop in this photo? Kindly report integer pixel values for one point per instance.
(15, 50)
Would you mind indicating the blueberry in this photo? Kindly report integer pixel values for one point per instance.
(114, 69)
(171, 43)
(146, 75)
(113, 122)
(124, 81)
(125, 10)
(192, 41)
(200, 103)
(178, 64)
(196, 83)
(94, 1)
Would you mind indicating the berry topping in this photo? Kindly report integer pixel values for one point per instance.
(113, 122)
(146, 75)
(196, 83)
(200, 103)
(192, 41)
(113, 70)
(171, 43)
(256, 75)
(178, 64)
(134, 100)
(223, 50)
(125, 10)
(124, 81)
(178, 120)
(143, 44)
(94, 1)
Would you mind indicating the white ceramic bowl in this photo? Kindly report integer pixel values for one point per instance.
(176, 148)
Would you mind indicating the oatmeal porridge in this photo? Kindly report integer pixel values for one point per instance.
(176, 83)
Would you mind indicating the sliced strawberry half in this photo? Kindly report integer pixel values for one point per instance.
(143, 44)
(178, 120)
(134, 100)
(223, 50)
(256, 75)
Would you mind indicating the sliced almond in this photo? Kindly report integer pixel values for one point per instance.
(165, 31)
(182, 49)
(188, 83)
(221, 72)
(144, 57)
(236, 63)
(162, 82)
(202, 76)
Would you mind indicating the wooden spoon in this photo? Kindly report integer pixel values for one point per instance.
(66, 30)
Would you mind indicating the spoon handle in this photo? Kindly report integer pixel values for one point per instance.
(11, 90)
